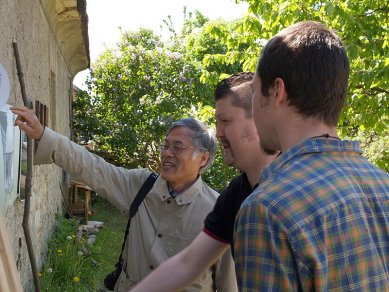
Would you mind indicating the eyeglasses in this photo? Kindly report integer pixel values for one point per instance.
(175, 149)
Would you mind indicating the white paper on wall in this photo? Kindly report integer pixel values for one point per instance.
(7, 140)
(9, 165)
(4, 86)
(6, 131)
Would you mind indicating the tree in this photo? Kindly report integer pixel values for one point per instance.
(136, 90)
(376, 148)
(363, 27)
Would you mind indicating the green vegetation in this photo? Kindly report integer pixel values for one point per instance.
(137, 89)
(363, 27)
(72, 264)
(142, 84)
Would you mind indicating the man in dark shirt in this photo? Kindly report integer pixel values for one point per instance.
(239, 137)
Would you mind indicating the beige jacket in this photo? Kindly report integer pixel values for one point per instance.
(162, 227)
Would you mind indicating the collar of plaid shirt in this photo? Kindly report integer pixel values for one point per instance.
(309, 145)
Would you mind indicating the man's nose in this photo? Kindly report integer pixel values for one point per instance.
(219, 132)
(167, 153)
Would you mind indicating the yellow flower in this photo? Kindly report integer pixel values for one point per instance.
(40, 274)
(59, 250)
(76, 279)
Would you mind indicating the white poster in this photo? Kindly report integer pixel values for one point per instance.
(9, 145)
(4, 86)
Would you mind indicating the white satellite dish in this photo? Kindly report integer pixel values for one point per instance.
(4, 86)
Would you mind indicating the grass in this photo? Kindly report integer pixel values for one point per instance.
(73, 265)
(110, 238)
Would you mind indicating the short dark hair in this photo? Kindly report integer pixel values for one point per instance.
(240, 98)
(314, 66)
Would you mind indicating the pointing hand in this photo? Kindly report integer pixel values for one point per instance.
(28, 122)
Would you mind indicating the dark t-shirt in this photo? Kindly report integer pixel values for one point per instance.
(219, 224)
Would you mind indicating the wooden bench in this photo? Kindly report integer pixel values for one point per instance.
(77, 205)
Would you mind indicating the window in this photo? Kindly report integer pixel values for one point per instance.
(53, 102)
(41, 113)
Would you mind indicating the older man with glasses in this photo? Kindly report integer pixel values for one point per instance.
(172, 213)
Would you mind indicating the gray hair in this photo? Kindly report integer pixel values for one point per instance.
(203, 139)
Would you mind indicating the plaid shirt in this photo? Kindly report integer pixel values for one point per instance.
(319, 221)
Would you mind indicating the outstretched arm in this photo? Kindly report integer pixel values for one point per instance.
(187, 265)
(117, 184)
(28, 122)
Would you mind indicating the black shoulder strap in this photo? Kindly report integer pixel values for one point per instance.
(144, 190)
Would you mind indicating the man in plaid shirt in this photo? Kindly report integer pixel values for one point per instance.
(319, 219)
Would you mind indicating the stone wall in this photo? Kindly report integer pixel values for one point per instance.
(53, 47)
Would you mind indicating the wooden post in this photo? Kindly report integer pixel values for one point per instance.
(26, 214)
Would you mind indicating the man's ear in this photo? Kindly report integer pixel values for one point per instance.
(280, 94)
(204, 158)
